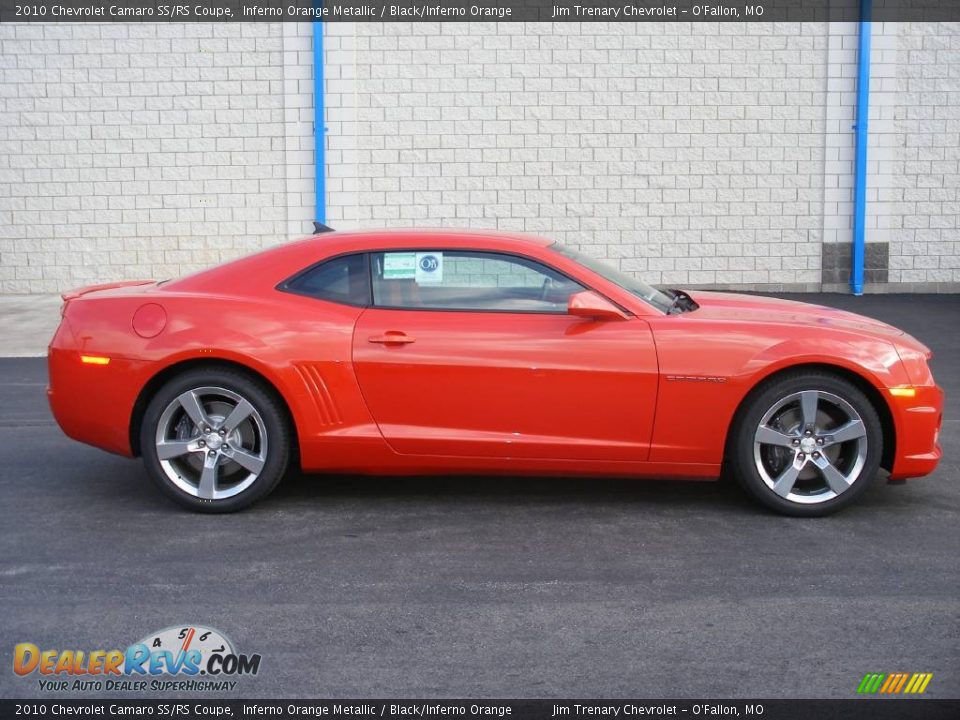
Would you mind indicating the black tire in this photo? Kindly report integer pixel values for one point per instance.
(266, 431)
(749, 457)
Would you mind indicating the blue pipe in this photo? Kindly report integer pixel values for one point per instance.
(319, 128)
(860, 162)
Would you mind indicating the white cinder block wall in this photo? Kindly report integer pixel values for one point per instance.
(693, 154)
(689, 153)
(919, 201)
(149, 150)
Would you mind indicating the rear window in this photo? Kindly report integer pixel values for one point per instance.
(343, 280)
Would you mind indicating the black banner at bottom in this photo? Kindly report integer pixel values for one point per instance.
(853, 709)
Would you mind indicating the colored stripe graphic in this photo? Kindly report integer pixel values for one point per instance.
(871, 683)
(918, 683)
(894, 683)
(900, 683)
(889, 682)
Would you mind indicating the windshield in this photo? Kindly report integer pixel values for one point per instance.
(645, 292)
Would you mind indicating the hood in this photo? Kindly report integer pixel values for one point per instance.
(755, 308)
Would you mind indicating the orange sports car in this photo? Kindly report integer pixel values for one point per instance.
(414, 352)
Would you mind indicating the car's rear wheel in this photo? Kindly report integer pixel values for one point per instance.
(807, 444)
(215, 440)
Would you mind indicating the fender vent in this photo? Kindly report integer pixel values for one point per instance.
(317, 389)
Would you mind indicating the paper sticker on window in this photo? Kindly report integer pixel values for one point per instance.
(429, 268)
(399, 266)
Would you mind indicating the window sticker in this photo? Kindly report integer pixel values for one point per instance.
(429, 268)
(399, 266)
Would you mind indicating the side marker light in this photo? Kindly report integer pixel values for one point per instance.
(907, 392)
(94, 360)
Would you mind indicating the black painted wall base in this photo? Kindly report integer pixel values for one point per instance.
(837, 259)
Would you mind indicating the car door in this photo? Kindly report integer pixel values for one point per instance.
(473, 354)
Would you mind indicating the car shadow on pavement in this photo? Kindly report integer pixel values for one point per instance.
(126, 482)
(722, 496)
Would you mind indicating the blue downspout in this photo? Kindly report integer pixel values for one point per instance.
(319, 129)
(860, 167)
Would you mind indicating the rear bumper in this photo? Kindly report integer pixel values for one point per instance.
(92, 403)
(918, 420)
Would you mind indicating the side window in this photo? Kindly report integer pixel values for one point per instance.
(343, 280)
(468, 280)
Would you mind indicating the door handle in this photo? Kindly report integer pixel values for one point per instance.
(392, 338)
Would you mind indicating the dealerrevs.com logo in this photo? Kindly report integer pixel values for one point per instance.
(180, 658)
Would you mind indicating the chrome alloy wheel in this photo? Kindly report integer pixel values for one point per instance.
(211, 443)
(810, 447)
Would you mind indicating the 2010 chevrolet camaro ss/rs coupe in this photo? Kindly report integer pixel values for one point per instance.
(414, 352)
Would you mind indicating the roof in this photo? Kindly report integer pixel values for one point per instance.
(404, 235)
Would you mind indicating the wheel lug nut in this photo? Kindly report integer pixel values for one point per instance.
(222, 431)
(816, 455)
(211, 454)
(808, 433)
(801, 456)
(201, 443)
(796, 442)
(206, 429)
(819, 441)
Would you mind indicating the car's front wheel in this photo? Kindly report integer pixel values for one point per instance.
(215, 440)
(807, 444)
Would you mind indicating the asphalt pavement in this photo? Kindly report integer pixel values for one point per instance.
(486, 588)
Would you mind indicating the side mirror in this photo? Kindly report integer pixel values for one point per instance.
(588, 304)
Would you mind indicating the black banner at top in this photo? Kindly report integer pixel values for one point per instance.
(477, 10)
(372, 709)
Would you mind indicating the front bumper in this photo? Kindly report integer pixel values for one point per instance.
(918, 420)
